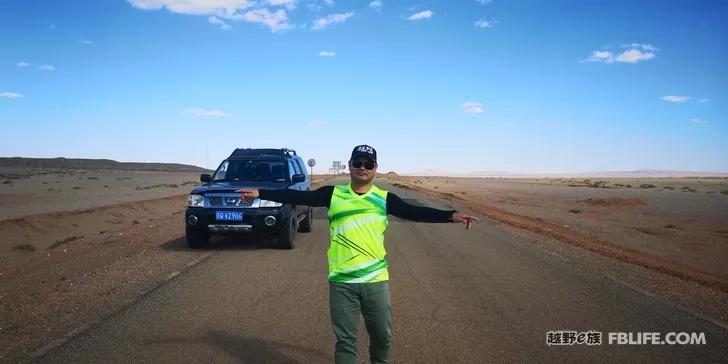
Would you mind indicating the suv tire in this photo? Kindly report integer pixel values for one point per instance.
(287, 235)
(197, 239)
(306, 224)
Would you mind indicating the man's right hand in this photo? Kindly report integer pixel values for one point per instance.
(248, 193)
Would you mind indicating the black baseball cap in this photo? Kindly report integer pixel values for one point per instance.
(364, 150)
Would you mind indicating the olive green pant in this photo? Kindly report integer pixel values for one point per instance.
(350, 300)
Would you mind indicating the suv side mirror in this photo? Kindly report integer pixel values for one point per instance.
(296, 178)
(205, 178)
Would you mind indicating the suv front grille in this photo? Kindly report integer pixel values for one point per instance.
(232, 200)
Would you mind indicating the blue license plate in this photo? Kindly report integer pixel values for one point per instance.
(229, 215)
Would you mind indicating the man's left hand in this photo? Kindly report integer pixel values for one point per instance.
(463, 218)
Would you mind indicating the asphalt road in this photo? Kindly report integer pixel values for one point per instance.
(483, 295)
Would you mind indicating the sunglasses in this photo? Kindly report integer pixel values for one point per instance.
(368, 164)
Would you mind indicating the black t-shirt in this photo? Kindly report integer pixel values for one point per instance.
(322, 197)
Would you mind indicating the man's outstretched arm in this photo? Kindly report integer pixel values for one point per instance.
(317, 198)
(397, 207)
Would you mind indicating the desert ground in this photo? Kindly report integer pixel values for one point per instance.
(31, 191)
(80, 243)
(679, 220)
(79, 246)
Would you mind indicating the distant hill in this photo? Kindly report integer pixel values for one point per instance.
(640, 173)
(94, 164)
(652, 173)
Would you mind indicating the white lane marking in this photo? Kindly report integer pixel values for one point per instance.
(558, 256)
(679, 307)
(43, 350)
(632, 287)
(699, 315)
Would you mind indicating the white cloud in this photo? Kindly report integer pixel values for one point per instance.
(10, 95)
(289, 4)
(217, 21)
(698, 121)
(472, 107)
(482, 23)
(322, 23)
(638, 52)
(276, 21)
(47, 67)
(85, 42)
(702, 101)
(318, 124)
(206, 113)
(326, 54)
(601, 56)
(644, 47)
(426, 14)
(634, 56)
(23, 64)
(242, 10)
(314, 4)
(376, 5)
(675, 99)
(223, 8)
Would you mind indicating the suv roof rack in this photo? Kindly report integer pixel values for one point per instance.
(246, 152)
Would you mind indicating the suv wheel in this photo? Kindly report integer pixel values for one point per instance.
(197, 239)
(306, 224)
(287, 235)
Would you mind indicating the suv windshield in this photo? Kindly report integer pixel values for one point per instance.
(252, 170)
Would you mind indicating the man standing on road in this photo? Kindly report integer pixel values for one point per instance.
(358, 276)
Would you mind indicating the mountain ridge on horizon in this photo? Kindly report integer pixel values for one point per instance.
(643, 173)
(110, 164)
(95, 164)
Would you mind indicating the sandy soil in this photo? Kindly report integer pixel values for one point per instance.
(680, 220)
(79, 244)
(30, 191)
(75, 256)
(72, 256)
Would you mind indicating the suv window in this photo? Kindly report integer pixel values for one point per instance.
(294, 167)
(273, 170)
(301, 167)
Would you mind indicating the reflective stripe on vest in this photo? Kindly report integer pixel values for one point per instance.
(356, 227)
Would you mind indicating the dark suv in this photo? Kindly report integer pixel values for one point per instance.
(214, 207)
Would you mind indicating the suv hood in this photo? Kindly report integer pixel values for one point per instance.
(222, 187)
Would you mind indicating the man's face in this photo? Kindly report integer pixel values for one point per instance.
(359, 172)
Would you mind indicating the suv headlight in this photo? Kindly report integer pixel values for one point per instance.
(266, 203)
(195, 201)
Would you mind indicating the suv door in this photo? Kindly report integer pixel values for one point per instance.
(299, 161)
(294, 168)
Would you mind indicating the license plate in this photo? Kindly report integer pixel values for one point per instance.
(229, 215)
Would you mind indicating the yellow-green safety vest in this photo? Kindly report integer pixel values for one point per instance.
(356, 227)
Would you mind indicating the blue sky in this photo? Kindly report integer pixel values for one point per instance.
(453, 86)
